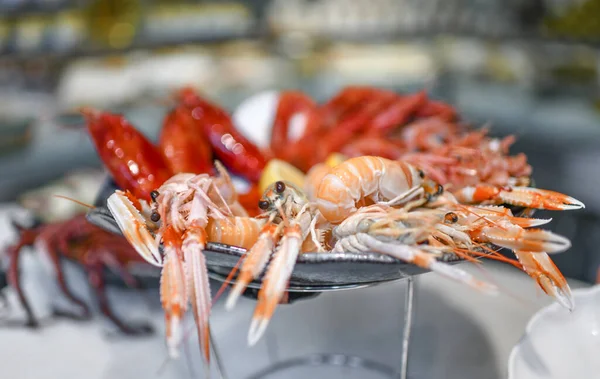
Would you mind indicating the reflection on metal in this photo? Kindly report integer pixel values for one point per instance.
(340, 360)
(408, 319)
(320, 360)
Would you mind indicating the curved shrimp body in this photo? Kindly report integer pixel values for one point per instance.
(313, 179)
(236, 231)
(358, 180)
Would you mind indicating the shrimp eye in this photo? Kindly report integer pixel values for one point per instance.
(154, 217)
(421, 174)
(263, 204)
(154, 195)
(279, 187)
(450, 218)
(440, 189)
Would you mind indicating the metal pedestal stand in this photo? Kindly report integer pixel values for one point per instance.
(339, 360)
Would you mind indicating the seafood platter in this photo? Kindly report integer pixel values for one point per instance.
(375, 185)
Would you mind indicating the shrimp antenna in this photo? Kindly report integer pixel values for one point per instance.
(222, 199)
(75, 201)
(282, 213)
(228, 279)
(480, 217)
(506, 290)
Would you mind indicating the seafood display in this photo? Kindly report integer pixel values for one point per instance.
(412, 182)
(95, 249)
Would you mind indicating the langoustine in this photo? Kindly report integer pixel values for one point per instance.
(185, 213)
(185, 203)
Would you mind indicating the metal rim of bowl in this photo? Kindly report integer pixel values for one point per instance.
(332, 360)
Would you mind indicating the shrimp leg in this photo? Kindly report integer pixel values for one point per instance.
(361, 242)
(14, 278)
(255, 262)
(95, 271)
(278, 274)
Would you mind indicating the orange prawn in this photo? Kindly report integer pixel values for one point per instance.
(370, 178)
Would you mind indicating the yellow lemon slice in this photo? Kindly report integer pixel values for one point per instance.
(280, 170)
(335, 159)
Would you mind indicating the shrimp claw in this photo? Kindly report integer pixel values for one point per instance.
(133, 226)
(255, 262)
(519, 196)
(534, 240)
(365, 242)
(276, 280)
(541, 268)
(173, 296)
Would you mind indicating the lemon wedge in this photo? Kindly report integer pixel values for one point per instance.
(335, 159)
(277, 169)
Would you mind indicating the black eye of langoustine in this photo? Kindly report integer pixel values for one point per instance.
(154, 195)
(421, 174)
(279, 187)
(154, 217)
(263, 204)
(451, 218)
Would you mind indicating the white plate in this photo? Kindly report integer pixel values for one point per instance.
(559, 344)
(254, 118)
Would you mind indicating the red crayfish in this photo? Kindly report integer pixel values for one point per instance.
(96, 249)
(194, 133)
(357, 121)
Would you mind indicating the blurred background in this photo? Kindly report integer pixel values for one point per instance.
(525, 67)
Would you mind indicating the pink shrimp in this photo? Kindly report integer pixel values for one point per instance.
(369, 178)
